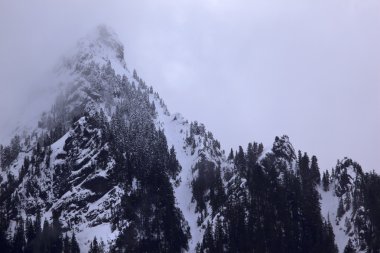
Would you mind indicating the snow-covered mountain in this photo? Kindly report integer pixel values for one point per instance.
(90, 81)
(105, 158)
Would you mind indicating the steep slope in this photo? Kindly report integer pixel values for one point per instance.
(177, 131)
(64, 164)
(60, 174)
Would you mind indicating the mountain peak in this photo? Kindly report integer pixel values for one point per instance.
(100, 46)
(104, 36)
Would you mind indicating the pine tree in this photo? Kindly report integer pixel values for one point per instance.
(102, 247)
(208, 240)
(240, 162)
(4, 241)
(30, 235)
(231, 155)
(349, 247)
(94, 247)
(30, 230)
(347, 202)
(306, 176)
(44, 240)
(74, 244)
(315, 170)
(251, 156)
(328, 244)
(37, 223)
(91, 249)
(371, 187)
(260, 149)
(340, 212)
(219, 188)
(56, 234)
(66, 244)
(219, 236)
(299, 158)
(173, 164)
(19, 238)
(326, 181)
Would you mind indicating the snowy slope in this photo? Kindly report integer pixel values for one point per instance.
(100, 48)
(329, 207)
(176, 129)
(344, 188)
(76, 78)
(90, 78)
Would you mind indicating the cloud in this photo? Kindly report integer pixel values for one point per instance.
(249, 70)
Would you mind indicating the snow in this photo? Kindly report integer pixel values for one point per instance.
(177, 129)
(101, 232)
(57, 148)
(329, 207)
(96, 49)
(174, 131)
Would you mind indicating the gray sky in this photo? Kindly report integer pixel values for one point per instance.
(249, 70)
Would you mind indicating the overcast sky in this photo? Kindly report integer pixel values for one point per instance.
(249, 70)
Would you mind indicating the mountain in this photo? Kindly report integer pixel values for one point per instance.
(107, 168)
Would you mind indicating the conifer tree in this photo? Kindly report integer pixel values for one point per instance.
(231, 155)
(44, 241)
(326, 181)
(4, 241)
(37, 223)
(340, 212)
(251, 156)
(208, 243)
(102, 247)
(66, 244)
(94, 247)
(56, 234)
(299, 158)
(173, 164)
(349, 247)
(30, 230)
(19, 238)
(219, 189)
(74, 244)
(315, 170)
(219, 236)
(240, 162)
(30, 235)
(306, 176)
(328, 243)
(260, 149)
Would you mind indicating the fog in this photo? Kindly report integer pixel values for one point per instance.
(249, 70)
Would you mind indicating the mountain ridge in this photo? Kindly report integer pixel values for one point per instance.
(108, 139)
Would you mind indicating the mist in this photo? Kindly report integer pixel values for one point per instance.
(249, 70)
